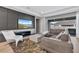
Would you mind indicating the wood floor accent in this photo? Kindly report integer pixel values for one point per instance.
(5, 48)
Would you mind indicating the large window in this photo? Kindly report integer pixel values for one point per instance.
(63, 22)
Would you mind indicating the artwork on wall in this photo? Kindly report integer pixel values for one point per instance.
(25, 23)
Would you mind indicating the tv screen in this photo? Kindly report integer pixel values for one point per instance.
(25, 23)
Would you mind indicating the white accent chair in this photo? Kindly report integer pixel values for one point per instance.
(11, 37)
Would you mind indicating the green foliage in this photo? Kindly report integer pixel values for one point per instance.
(21, 26)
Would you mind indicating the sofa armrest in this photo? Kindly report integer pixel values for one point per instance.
(54, 45)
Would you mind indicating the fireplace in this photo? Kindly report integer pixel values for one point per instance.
(72, 32)
(23, 33)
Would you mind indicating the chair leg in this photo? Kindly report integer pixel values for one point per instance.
(16, 43)
(28, 43)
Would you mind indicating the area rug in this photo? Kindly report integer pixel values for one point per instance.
(26, 46)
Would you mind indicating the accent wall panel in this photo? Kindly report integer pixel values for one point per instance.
(9, 18)
(3, 18)
(25, 16)
(12, 19)
(20, 15)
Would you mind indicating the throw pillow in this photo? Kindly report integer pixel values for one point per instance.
(64, 37)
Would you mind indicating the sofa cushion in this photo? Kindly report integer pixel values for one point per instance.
(56, 31)
(64, 37)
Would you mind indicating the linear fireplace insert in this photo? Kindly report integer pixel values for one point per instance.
(23, 33)
(72, 32)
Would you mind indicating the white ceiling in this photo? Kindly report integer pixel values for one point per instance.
(44, 10)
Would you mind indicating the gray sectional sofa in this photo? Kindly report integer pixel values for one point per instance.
(62, 44)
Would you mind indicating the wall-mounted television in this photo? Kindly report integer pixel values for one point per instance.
(25, 23)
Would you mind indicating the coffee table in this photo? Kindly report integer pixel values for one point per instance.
(35, 37)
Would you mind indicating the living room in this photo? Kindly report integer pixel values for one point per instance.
(39, 29)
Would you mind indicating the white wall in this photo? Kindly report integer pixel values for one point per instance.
(77, 24)
(43, 25)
